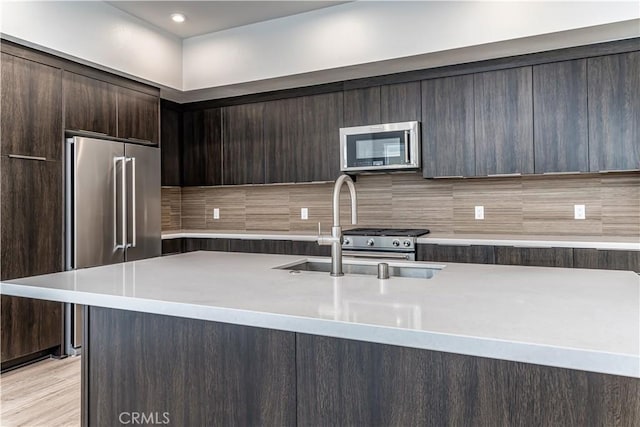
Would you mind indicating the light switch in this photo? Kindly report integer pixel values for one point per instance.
(579, 212)
(479, 212)
(304, 213)
(216, 213)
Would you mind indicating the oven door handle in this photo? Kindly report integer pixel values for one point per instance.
(387, 255)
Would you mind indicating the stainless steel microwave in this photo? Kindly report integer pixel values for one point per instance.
(384, 147)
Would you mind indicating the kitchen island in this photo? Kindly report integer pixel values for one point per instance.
(226, 338)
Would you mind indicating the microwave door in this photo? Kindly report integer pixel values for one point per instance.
(377, 150)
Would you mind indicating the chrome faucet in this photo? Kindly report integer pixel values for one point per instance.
(335, 240)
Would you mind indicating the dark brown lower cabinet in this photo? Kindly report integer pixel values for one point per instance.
(30, 329)
(447, 253)
(607, 259)
(193, 372)
(540, 257)
(343, 382)
(172, 246)
(30, 244)
(189, 372)
(282, 247)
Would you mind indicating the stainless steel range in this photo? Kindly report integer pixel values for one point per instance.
(382, 243)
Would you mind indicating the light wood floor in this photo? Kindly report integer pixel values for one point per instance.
(46, 393)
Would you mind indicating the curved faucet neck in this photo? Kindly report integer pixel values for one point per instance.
(336, 199)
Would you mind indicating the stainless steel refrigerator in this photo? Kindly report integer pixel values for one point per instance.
(112, 210)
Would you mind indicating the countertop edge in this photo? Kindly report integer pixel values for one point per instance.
(561, 357)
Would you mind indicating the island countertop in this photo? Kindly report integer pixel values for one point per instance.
(579, 319)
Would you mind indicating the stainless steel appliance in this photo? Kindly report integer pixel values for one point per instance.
(383, 147)
(382, 243)
(112, 210)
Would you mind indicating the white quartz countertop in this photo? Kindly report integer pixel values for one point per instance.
(630, 243)
(573, 318)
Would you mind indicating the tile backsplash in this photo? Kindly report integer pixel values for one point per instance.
(522, 205)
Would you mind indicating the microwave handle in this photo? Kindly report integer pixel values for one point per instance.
(407, 159)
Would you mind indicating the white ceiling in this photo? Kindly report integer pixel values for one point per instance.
(209, 16)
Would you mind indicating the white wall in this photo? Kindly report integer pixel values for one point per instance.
(371, 31)
(98, 34)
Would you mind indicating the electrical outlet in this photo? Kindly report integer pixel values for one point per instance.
(579, 212)
(304, 213)
(216, 213)
(479, 212)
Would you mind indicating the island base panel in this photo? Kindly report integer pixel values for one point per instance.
(208, 373)
(344, 382)
(194, 372)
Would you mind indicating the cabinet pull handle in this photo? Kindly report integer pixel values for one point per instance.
(561, 173)
(93, 132)
(447, 176)
(618, 170)
(503, 175)
(20, 156)
(143, 141)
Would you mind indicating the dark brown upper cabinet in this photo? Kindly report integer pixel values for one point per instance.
(400, 102)
(560, 117)
(202, 147)
(138, 116)
(171, 137)
(31, 107)
(448, 145)
(504, 122)
(243, 147)
(89, 104)
(319, 154)
(362, 107)
(614, 112)
(283, 139)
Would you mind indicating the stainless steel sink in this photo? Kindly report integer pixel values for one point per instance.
(418, 271)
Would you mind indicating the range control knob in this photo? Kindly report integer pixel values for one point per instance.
(346, 241)
(407, 243)
(370, 242)
(396, 243)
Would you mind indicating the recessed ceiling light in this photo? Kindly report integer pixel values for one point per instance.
(177, 17)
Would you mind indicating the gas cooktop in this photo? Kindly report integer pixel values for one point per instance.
(397, 232)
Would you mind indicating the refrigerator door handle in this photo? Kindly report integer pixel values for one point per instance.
(133, 202)
(115, 203)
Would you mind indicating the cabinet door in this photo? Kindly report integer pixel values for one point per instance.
(243, 146)
(400, 102)
(203, 244)
(172, 246)
(29, 326)
(202, 147)
(607, 259)
(31, 211)
(614, 112)
(31, 107)
(283, 139)
(282, 247)
(319, 153)
(504, 122)
(170, 137)
(447, 253)
(138, 115)
(448, 147)
(540, 257)
(362, 107)
(89, 104)
(560, 117)
(30, 244)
